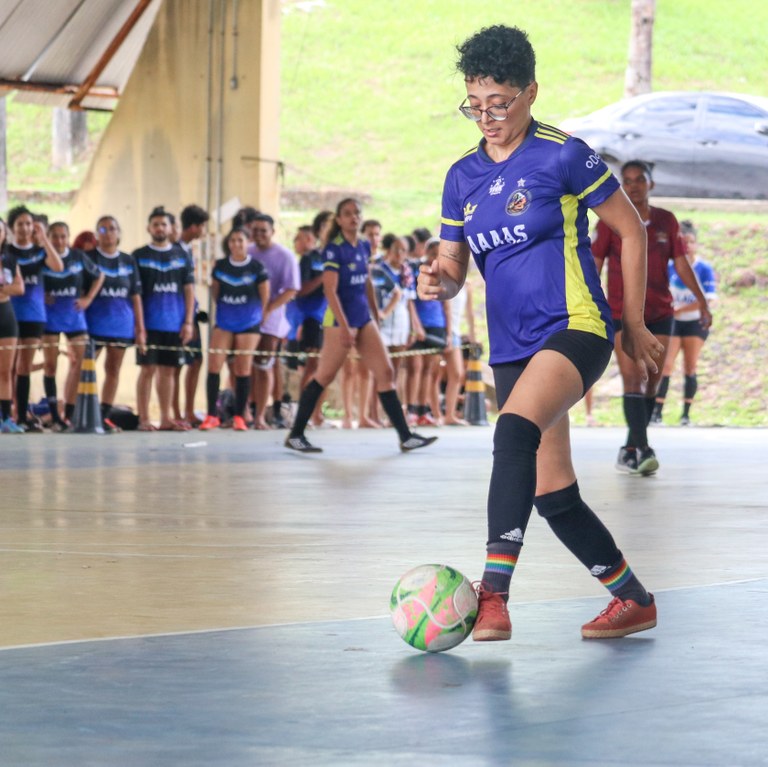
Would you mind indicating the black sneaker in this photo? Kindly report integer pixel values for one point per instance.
(415, 441)
(627, 460)
(647, 463)
(301, 444)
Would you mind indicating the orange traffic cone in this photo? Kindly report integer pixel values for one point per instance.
(474, 389)
(87, 416)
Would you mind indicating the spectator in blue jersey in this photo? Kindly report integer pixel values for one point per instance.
(11, 284)
(351, 321)
(194, 222)
(435, 318)
(395, 287)
(284, 284)
(240, 292)
(168, 299)
(68, 294)
(32, 251)
(116, 315)
(688, 332)
(310, 300)
(518, 204)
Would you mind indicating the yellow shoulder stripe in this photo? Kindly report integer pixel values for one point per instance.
(595, 185)
(451, 222)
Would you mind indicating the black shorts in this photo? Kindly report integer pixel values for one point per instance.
(195, 351)
(657, 327)
(689, 329)
(31, 329)
(9, 328)
(589, 353)
(434, 339)
(69, 335)
(311, 334)
(169, 355)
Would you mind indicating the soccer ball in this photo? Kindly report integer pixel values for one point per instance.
(433, 607)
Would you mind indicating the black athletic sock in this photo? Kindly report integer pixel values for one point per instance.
(5, 408)
(49, 386)
(590, 541)
(106, 409)
(276, 405)
(690, 387)
(307, 402)
(510, 494)
(242, 390)
(637, 420)
(69, 411)
(394, 410)
(650, 404)
(22, 398)
(212, 383)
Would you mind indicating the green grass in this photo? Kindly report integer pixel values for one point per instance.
(368, 107)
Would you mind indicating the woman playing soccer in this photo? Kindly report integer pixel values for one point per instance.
(351, 320)
(518, 204)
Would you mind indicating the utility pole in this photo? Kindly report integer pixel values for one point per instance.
(638, 75)
(70, 136)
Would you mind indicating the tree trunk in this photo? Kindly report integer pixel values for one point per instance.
(3, 157)
(638, 76)
(70, 136)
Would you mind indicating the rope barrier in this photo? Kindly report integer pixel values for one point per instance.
(82, 341)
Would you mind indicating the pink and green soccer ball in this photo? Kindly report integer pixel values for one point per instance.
(433, 607)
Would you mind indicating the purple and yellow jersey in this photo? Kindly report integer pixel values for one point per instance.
(350, 262)
(525, 221)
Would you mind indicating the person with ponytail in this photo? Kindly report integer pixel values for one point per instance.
(351, 321)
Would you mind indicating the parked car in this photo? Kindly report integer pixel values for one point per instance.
(700, 144)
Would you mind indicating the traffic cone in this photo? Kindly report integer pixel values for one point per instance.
(474, 389)
(87, 416)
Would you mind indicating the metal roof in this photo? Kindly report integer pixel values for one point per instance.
(71, 53)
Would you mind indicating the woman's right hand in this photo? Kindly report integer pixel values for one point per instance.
(429, 286)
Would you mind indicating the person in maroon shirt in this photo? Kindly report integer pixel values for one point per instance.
(664, 243)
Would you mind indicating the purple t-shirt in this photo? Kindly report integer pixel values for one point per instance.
(283, 270)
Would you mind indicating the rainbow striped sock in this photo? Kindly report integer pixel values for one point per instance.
(622, 583)
(499, 566)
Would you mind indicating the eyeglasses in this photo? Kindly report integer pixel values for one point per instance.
(496, 112)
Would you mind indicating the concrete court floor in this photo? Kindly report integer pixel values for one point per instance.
(167, 602)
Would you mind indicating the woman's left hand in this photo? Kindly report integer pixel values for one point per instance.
(643, 347)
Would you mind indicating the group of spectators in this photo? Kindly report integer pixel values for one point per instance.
(269, 308)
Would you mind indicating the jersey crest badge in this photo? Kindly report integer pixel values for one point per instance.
(469, 210)
(496, 186)
(519, 201)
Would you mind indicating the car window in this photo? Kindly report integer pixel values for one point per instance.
(674, 114)
(733, 120)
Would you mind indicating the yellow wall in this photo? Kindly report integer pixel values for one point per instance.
(155, 150)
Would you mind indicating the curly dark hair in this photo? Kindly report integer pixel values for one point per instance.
(499, 52)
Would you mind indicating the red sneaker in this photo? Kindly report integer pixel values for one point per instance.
(492, 624)
(210, 422)
(620, 618)
(238, 423)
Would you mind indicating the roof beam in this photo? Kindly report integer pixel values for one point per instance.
(85, 89)
(98, 92)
